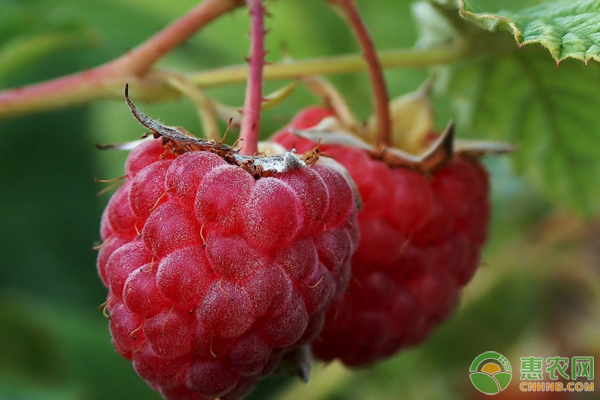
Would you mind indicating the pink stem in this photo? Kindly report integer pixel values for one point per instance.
(139, 60)
(252, 104)
(84, 86)
(380, 94)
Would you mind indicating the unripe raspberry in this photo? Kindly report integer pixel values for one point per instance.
(215, 273)
(421, 238)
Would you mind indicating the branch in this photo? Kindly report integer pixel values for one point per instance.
(341, 64)
(251, 114)
(380, 94)
(139, 60)
(107, 81)
(90, 86)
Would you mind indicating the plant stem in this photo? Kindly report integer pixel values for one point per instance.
(108, 80)
(380, 93)
(139, 60)
(252, 104)
(341, 64)
(90, 85)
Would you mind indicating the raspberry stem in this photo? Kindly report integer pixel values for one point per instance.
(252, 105)
(380, 94)
(139, 60)
(91, 85)
(131, 67)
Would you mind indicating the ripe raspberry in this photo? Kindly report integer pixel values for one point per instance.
(421, 237)
(213, 273)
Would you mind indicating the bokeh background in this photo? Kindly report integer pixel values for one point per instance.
(536, 293)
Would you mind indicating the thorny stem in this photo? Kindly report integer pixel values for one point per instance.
(80, 88)
(380, 94)
(340, 64)
(139, 60)
(131, 66)
(252, 104)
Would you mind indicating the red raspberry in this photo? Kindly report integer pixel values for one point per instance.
(213, 274)
(421, 237)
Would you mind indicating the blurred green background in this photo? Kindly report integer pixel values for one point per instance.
(537, 292)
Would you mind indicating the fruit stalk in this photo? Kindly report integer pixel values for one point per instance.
(380, 94)
(251, 114)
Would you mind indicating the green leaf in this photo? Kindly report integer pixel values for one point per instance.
(567, 28)
(519, 95)
(551, 113)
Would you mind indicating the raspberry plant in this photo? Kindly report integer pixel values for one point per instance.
(496, 90)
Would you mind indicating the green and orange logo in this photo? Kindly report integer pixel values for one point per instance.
(490, 372)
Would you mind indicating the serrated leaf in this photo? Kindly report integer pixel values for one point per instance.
(567, 28)
(550, 112)
(519, 95)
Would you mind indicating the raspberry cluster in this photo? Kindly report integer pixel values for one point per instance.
(421, 238)
(213, 274)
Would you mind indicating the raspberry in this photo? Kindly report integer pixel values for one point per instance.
(421, 237)
(214, 273)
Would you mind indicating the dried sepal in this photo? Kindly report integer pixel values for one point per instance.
(439, 154)
(478, 148)
(412, 120)
(125, 146)
(182, 141)
(332, 131)
(297, 362)
(413, 127)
